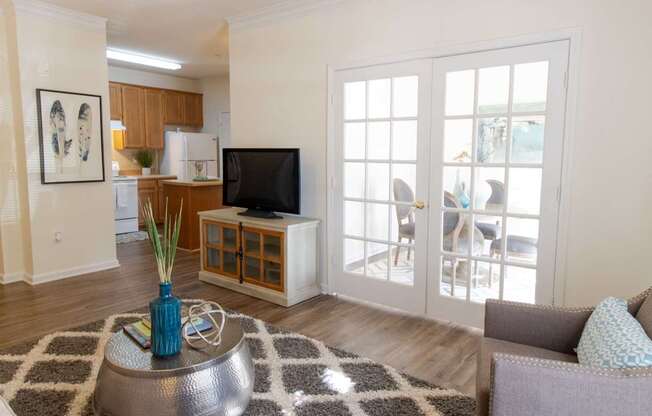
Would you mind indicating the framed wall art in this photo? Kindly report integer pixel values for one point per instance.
(70, 137)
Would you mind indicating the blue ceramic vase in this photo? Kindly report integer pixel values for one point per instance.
(166, 323)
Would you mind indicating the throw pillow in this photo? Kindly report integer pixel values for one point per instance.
(613, 338)
(644, 316)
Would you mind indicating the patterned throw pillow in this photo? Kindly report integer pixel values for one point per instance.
(613, 338)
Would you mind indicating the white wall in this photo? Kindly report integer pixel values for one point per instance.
(216, 101)
(279, 98)
(59, 51)
(152, 79)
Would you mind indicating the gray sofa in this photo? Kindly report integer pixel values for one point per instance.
(527, 365)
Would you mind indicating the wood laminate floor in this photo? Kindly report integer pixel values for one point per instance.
(440, 353)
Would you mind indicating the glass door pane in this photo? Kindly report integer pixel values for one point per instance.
(230, 264)
(272, 247)
(213, 259)
(212, 246)
(230, 238)
(213, 233)
(497, 161)
(252, 268)
(272, 273)
(251, 243)
(380, 183)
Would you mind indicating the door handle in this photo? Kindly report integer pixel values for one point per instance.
(419, 204)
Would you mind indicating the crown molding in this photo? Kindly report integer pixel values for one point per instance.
(276, 12)
(41, 8)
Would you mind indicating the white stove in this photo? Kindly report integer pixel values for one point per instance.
(125, 204)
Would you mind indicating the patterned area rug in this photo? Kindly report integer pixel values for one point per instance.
(131, 237)
(295, 375)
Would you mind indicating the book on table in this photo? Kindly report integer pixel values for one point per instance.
(141, 331)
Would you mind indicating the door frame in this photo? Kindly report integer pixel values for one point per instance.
(573, 35)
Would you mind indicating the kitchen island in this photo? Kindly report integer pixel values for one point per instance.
(195, 197)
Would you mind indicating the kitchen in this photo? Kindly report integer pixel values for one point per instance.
(162, 117)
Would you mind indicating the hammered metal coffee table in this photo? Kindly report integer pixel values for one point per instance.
(217, 381)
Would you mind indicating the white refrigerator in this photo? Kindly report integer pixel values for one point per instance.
(188, 155)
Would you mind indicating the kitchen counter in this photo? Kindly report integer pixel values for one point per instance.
(177, 182)
(194, 197)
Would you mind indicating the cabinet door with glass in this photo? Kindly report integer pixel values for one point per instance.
(263, 254)
(221, 243)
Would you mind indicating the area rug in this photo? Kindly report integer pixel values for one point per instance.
(295, 376)
(131, 237)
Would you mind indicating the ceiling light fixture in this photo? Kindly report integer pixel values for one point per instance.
(141, 59)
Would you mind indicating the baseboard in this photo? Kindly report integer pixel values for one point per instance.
(7, 278)
(324, 289)
(74, 271)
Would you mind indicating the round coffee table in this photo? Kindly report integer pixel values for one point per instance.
(216, 381)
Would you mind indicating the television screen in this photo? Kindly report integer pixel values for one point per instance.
(263, 180)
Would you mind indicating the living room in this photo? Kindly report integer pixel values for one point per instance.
(463, 229)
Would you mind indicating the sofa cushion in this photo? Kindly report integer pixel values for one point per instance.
(644, 316)
(613, 338)
(491, 346)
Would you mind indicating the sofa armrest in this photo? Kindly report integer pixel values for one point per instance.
(535, 387)
(548, 327)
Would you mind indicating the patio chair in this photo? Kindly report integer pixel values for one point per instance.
(404, 214)
(456, 235)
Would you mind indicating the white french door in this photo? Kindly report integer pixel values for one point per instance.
(478, 137)
(497, 131)
(381, 175)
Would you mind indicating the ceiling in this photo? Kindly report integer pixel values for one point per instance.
(191, 32)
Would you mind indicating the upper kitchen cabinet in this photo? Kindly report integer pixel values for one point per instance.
(193, 110)
(154, 105)
(133, 116)
(145, 111)
(115, 100)
(174, 107)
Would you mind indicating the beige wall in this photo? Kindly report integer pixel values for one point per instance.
(216, 101)
(12, 178)
(152, 79)
(57, 51)
(279, 89)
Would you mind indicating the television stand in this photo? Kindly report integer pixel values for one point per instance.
(260, 213)
(274, 260)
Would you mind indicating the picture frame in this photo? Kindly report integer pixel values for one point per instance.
(71, 137)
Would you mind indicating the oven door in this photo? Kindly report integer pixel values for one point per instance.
(125, 200)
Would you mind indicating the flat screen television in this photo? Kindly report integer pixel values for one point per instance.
(262, 180)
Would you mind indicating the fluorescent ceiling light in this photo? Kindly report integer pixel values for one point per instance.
(141, 59)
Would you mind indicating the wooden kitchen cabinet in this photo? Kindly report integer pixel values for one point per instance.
(152, 190)
(145, 111)
(174, 107)
(115, 100)
(148, 191)
(195, 197)
(193, 110)
(154, 118)
(133, 108)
